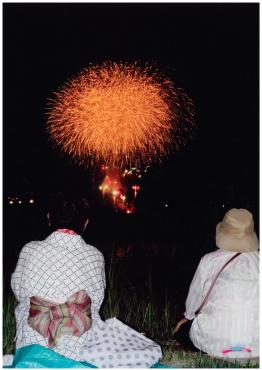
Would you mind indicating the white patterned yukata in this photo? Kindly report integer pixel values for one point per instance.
(56, 268)
(228, 324)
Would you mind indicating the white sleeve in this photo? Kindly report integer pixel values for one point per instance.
(103, 274)
(102, 284)
(99, 292)
(18, 281)
(195, 294)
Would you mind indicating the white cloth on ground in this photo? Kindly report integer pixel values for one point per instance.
(7, 360)
(57, 267)
(230, 317)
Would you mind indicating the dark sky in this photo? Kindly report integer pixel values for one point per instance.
(211, 50)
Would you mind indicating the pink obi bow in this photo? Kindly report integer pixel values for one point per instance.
(53, 320)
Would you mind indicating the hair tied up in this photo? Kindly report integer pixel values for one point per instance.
(69, 207)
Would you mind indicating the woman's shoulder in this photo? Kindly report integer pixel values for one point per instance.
(34, 244)
(217, 254)
(93, 251)
(28, 250)
(220, 256)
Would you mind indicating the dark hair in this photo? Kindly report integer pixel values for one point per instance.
(68, 212)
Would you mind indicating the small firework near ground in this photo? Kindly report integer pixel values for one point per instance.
(120, 114)
(120, 187)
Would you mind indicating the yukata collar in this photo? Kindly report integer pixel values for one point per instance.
(60, 238)
(67, 231)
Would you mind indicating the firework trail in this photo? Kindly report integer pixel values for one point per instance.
(115, 189)
(120, 114)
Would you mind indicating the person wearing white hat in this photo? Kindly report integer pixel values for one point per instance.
(228, 322)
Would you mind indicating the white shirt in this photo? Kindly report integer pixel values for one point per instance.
(230, 318)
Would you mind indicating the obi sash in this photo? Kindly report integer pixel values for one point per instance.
(53, 320)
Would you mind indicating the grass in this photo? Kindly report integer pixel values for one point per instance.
(9, 325)
(184, 359)
(140, 308)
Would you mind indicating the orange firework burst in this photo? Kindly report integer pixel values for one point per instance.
(120, 114)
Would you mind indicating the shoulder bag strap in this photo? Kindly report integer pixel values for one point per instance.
(214, 281)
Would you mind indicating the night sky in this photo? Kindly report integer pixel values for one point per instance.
(211, 50)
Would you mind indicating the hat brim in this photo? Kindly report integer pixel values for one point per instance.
(249, 243)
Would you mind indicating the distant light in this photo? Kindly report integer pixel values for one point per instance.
(11, 202)
(20, 202)
(166, 205)
(223, 205)
(31, 201)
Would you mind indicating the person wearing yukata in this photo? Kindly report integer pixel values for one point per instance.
(228, 323)
(59, 284)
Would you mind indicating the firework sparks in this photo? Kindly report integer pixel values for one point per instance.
(113, 188)
(120, 114)
(135, 188)
(117, 188)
